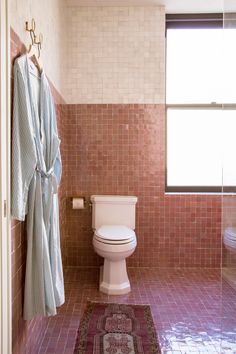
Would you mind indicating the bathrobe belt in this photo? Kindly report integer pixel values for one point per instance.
(52, 189)
(50, 175)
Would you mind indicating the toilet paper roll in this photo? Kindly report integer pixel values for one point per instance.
(77, 203)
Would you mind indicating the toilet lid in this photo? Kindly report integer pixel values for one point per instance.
(115, 233)
(230, 243)
(230, 233)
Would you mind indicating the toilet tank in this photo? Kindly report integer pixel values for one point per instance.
(113, 210)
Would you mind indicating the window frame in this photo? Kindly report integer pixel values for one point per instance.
(194, 21)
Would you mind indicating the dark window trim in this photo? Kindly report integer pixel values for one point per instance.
(193, 189)
(198, 189)
(178, 21)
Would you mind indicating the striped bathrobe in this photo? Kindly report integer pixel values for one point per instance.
(36, 174)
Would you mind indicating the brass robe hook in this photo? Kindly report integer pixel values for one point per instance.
(32, 26)
(38, 40)
(31, 29)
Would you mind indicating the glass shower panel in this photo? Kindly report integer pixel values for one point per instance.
(228, 343)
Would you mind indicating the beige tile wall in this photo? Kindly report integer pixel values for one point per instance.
(115, 55)
(51, 21)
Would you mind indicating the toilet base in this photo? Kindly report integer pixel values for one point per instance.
(113, 278)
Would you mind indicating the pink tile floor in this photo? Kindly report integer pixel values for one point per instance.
(193, 310)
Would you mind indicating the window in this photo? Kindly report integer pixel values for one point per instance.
(200, 133)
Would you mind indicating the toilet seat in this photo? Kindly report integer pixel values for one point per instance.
(230, 238)
(230, 233)
(114, 234)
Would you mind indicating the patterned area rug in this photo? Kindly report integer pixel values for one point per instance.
(116, 329)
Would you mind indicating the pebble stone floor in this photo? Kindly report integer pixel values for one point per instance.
(194, 311)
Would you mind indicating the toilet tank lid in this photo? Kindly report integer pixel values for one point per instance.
(124, 199)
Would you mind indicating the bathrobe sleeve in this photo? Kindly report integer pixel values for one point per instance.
(24, 156)
(53, 156)
(58, 165)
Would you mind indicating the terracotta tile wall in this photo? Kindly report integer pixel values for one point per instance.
(27, 334)
(120, 149)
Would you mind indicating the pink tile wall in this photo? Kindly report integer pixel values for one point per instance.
(120, 149)
(27, 334)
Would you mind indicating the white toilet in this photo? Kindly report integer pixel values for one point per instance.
(230, 239)
(114, 239)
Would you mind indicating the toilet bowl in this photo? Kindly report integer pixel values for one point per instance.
(230, 239)
(114, 243)
(114, 239)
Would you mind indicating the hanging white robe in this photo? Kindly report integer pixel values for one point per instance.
(36, 174)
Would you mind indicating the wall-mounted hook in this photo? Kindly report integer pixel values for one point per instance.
(31, 29)
(33, 26)
(38, 40)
